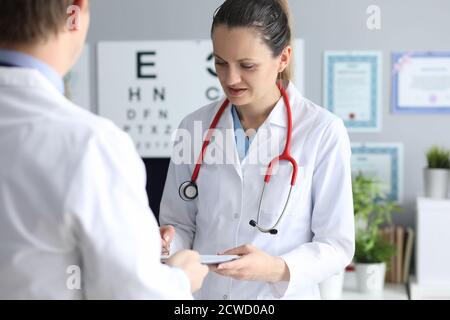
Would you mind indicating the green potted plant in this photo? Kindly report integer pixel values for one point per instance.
(372, 252)
(437, 173)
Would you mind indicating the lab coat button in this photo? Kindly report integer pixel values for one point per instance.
(225, 297)
(236, 215)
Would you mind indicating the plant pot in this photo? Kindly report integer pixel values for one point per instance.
(436, 183)
(370, 277)
(360, 223)
(331, 288)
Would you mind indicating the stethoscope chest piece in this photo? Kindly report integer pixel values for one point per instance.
(188, 191)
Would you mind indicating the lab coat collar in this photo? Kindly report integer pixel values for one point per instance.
(272, 128)
(227, 144)
(273, 131)
(26, 78)
(278, 115)
(22, 60)
(226, 120)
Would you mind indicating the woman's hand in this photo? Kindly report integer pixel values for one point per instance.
(254, 265)
(167, 234)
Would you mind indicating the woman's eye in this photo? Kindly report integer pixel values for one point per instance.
(247, 66)
(219, 63)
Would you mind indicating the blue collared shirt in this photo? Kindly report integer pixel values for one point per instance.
(22, 60)
(242, 140)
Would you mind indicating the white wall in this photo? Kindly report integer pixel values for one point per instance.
(324, 25)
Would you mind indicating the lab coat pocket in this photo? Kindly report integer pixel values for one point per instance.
(276, 193)
(209, 187)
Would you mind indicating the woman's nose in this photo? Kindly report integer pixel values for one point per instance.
(233, 76)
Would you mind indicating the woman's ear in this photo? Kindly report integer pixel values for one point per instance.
(285, 58)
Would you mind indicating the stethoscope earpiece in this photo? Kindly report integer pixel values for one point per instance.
(188, 191)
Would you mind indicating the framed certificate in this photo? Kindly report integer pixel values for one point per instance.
(384, 161)
(421, 82)
(352, 88)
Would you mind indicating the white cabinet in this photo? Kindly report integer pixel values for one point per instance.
(433, 241)
(432, 249)
(428, 291)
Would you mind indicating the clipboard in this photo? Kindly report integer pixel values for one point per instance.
(210, 259)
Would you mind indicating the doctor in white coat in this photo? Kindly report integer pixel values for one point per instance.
(74, 215)
(219, 210)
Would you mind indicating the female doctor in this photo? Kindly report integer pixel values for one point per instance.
(279, 195)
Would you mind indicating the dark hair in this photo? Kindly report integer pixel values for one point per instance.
(270, 18)
(30, 21)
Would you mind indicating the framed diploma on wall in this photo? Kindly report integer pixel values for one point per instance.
(381, 160)
(352, 88)
(421, 82)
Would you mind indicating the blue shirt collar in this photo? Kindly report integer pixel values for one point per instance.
(23, 60)
(242, 141)
(236, 121)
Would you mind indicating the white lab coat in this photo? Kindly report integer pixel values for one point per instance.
(316, 234)
(72, 193)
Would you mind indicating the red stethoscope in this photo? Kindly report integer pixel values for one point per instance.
(189, 191)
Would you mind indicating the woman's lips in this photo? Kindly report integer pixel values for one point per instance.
(236, 92)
